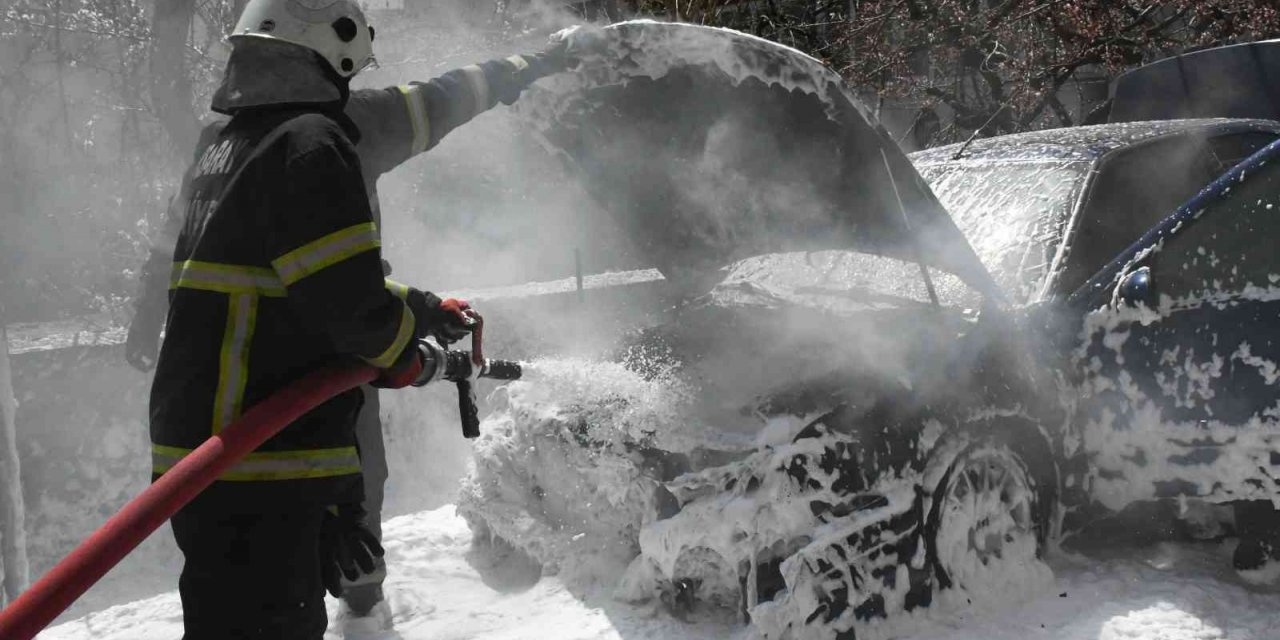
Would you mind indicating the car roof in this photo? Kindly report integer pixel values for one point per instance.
(1085, 143)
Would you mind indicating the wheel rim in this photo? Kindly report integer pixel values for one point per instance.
(987, 529)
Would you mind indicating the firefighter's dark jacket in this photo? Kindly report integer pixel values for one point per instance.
(276, 270)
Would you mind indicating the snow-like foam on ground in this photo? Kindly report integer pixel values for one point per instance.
(440, 588)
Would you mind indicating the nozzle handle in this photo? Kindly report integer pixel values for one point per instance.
(467, 409)
(459, 367)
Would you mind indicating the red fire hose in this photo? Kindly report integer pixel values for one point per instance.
(40, 604)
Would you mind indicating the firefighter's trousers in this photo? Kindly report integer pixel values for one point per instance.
(250, 575)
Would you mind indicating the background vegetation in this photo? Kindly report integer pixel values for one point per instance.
(101, 99)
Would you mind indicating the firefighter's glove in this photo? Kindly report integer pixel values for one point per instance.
(448, 321)
(347, 547)
(142, 348)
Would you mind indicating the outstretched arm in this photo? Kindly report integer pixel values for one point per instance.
(397, 123)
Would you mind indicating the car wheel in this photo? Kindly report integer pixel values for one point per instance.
(701, 576)
(986, 525)
(1256, 558)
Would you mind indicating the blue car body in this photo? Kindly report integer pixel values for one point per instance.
(1164, 322)
(1179, 370)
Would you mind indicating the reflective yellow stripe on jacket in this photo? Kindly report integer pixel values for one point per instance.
(400, 289)
(233, 360)
(243, 286)
(271, 465)
(332, 249)
(226, 278)
(403, 335)
(315, 256)
(479, 88)
(415, 104)
(519, 62)
(408, 327)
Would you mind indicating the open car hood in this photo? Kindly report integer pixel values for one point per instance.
(709, 145)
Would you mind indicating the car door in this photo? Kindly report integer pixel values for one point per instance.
(1178, 362)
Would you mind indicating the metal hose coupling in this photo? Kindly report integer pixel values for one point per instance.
(440, 363)
(459, 367)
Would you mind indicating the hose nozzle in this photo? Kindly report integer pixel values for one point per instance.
(460, 366)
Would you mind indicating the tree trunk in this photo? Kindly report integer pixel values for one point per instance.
(13, 539)
(170, 84)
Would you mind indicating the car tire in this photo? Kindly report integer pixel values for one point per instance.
(990, 519)
(1256, 557)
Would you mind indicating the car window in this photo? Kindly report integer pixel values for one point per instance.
(1230, 247)
(840, 280)
(1232, 149)
(1135, 189)
(1013, 213)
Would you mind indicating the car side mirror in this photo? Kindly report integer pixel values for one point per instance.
(1137, 288)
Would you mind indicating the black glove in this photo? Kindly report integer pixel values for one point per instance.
(347, 546)
(142, 348)
(448, 321)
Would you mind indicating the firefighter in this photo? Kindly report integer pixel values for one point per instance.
(276, 271)
(394, 124)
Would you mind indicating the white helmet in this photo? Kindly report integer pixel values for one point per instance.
(335, 29)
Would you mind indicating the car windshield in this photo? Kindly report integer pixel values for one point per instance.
(838, 280)
(1014, 213)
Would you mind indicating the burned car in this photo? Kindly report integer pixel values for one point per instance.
(842, 428)
(1144, 249)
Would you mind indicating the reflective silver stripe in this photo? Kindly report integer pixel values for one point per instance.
(225, 278)
(233, 362)
(400, 290)
(415, 104)
(520, 63)
(479, 87)
(327, 251)
(271, 465)
(403, 335)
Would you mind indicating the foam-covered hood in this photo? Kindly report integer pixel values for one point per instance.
(710, 145)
